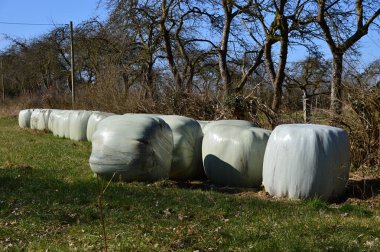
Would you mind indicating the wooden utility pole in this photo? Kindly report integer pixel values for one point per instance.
(2, 80)
(72, 65)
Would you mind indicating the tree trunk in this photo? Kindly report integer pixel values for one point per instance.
(168, 48)
(276, 103)
(189, 81)
(3, 88)
(277, 78)
(269, 65)
(150, 88)
(126, 84)
(2, 81)
(170, 57)
(336, 85)
(223, 67)
(306, 107)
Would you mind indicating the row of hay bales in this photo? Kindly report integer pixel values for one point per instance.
(78, 125)
(296, 161)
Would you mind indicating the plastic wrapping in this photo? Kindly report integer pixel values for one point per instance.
(93, 120)
(64, 124)
(39, 119)
(305, 160)
(59, 123)
(203, 123)
(240, 123)
(24, 118)
(187, 150)
(53, 120)
(78, 124)
(233, 155)
(34, 118)
(133, 147)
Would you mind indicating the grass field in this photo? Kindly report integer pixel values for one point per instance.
(49, 201)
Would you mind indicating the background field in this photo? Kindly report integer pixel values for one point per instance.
(49, 200)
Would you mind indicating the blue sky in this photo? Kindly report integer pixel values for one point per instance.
(62, 11)
(43, 11)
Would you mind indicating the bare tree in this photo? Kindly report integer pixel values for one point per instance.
(174, 27)
(135, 36)
(311, 76)
(288, 20)
(363, 95)
(231, 11)
(343, 24)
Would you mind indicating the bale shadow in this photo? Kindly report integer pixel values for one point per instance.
(206, 185)
(37, 194)
(363, 189)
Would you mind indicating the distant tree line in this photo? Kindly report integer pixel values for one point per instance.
(235, 50)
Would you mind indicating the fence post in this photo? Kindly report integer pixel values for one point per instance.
(72, 65)
(2, 80)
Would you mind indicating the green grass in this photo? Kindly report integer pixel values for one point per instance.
(48, 200)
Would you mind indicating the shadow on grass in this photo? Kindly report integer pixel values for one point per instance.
(29, 192)
(207, 186)
(363, 189)
(39, 196)
(358, 189)
(44, 190)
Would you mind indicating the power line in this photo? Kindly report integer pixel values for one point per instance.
(37, 24)
(373, 41)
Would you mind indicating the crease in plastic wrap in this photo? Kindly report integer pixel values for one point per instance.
(187, 150)
(59, 123)
(78, 124)
(24, 118)
(305, 161)
(39, 119)
(52, 123)
(133, 147)
(239, 123)
(203, 123)
(93, 120)
(233, 155)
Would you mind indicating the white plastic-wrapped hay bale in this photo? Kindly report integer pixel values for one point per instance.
(133, 147)
(59, 122)
(233, 155)
(203, 124)
(39, 119)
(46, 116)
(240, 123)
(24, 118)
(93, 120)
(34, 117)
(187, 150)
(305, 160)
(78, 124)
(51, 119)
